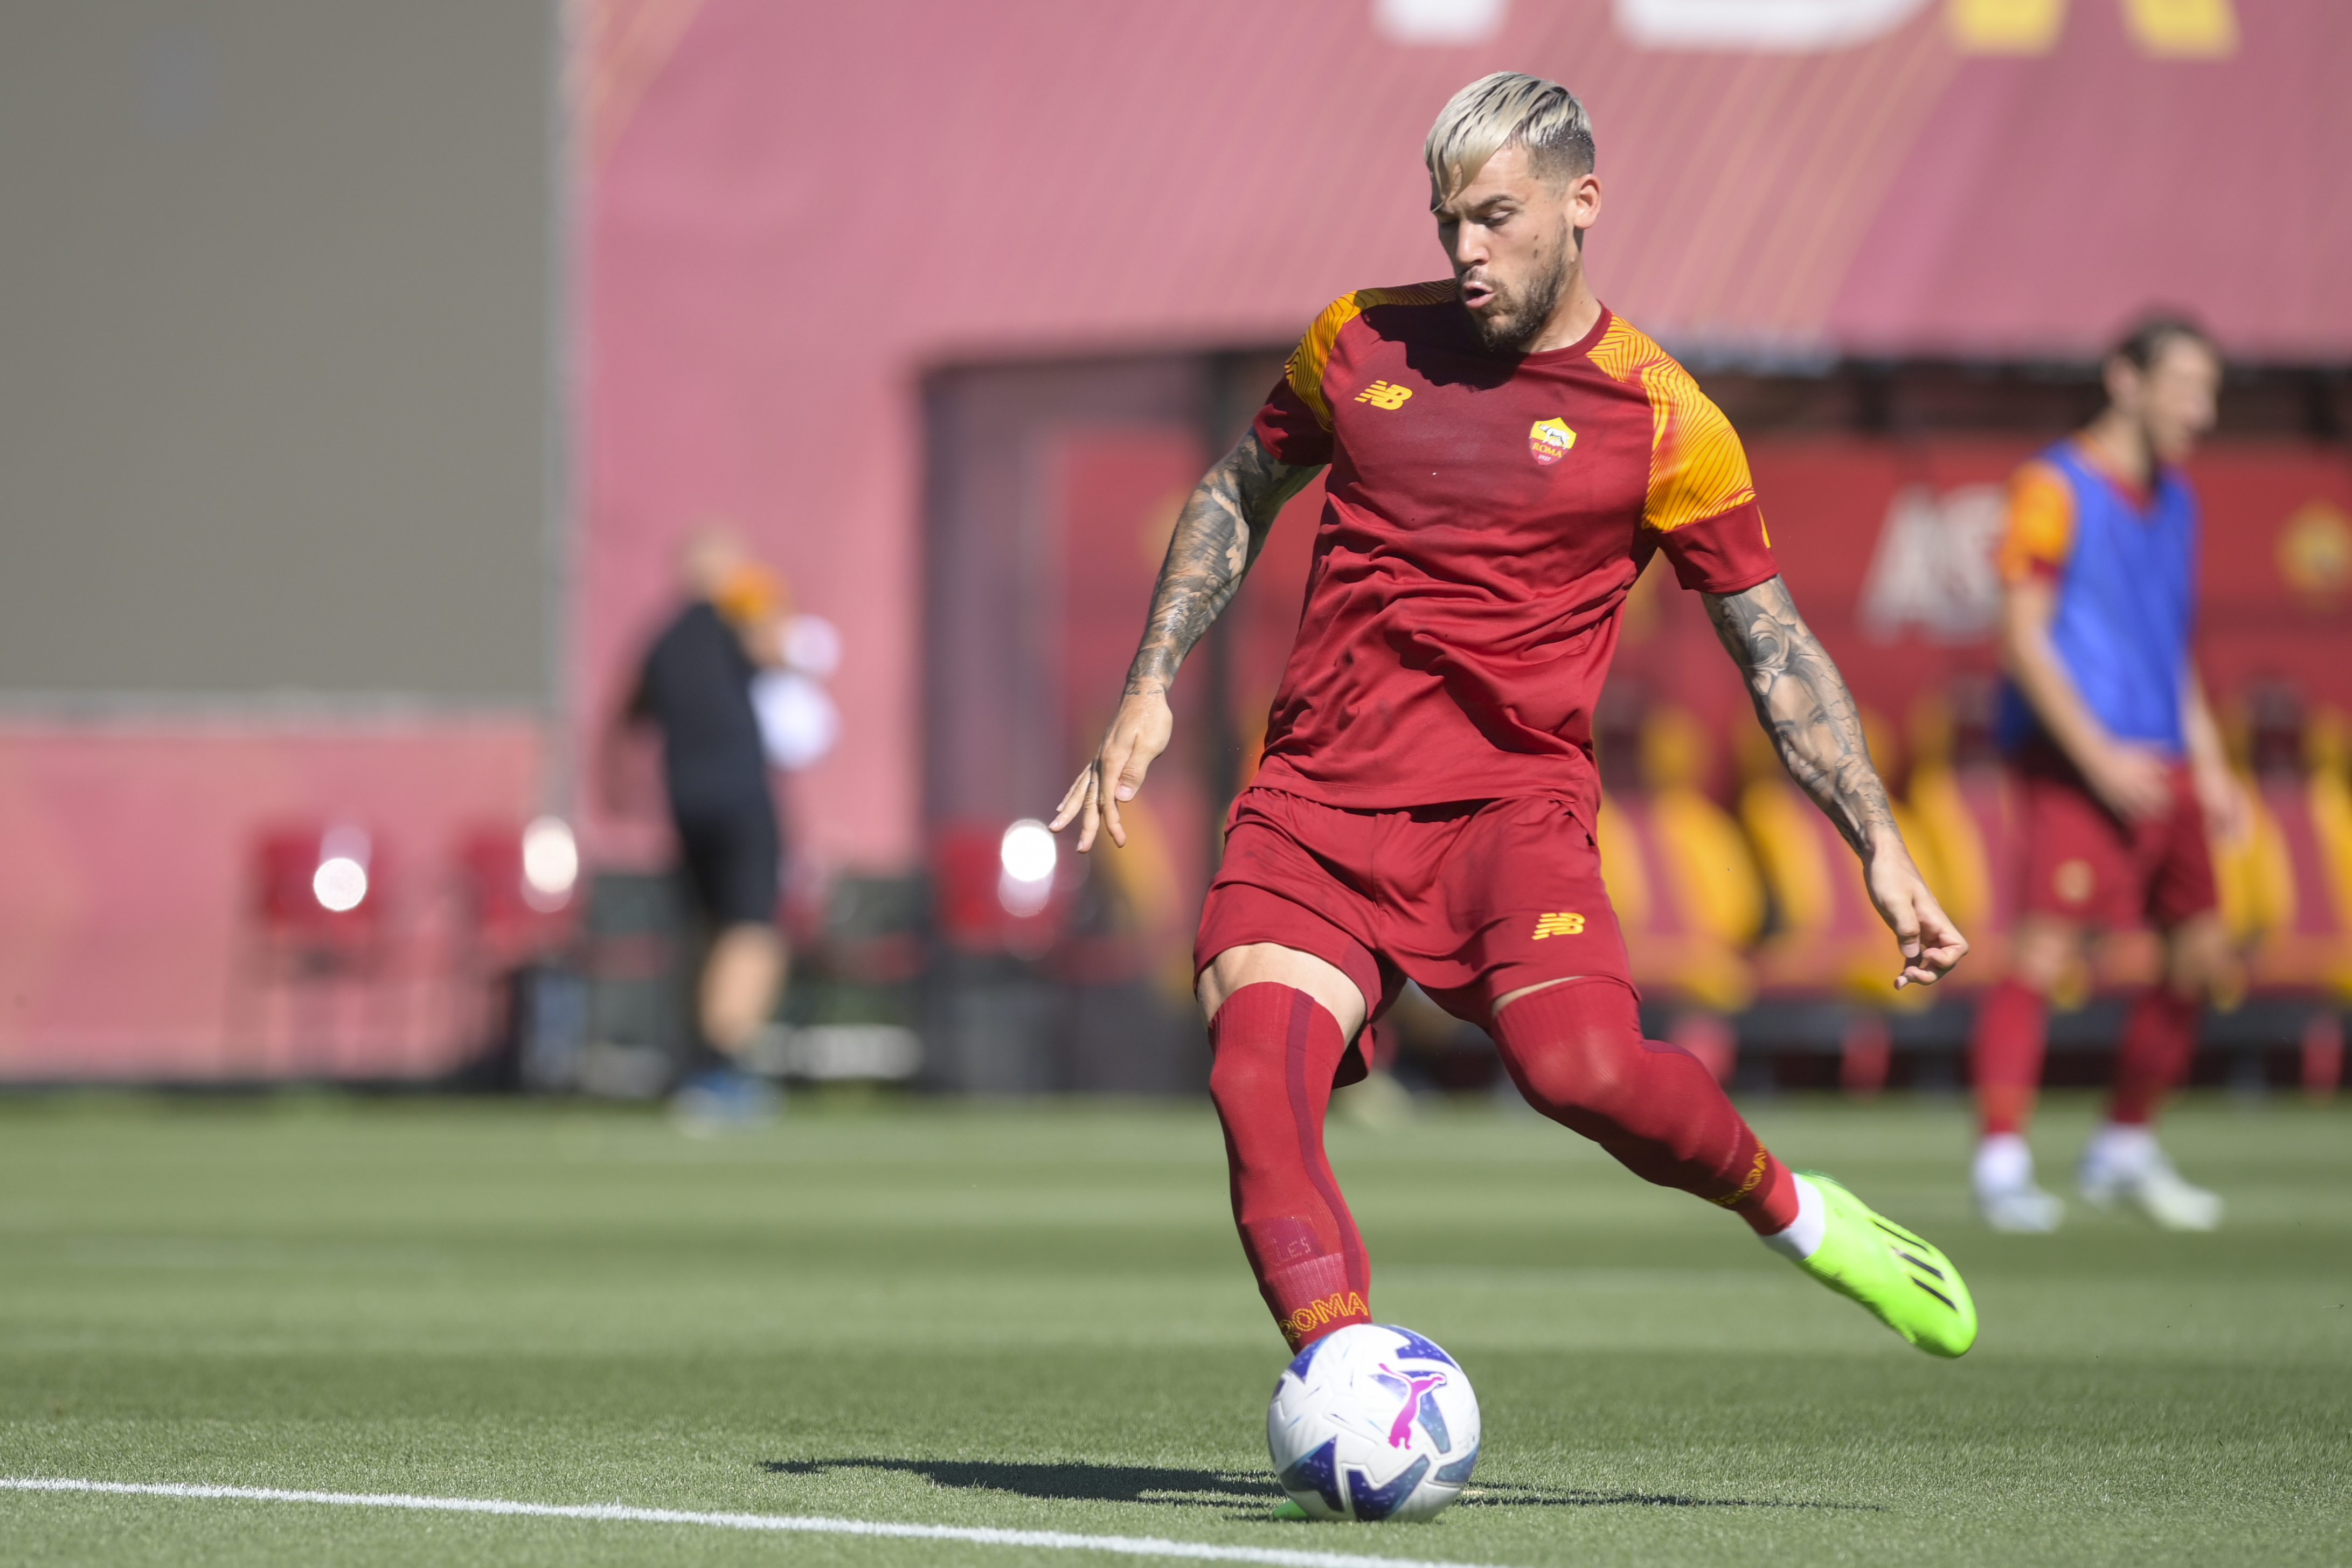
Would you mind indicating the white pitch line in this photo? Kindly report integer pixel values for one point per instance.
(1052, 1540)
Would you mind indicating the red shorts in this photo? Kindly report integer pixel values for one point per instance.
(2084, 863)
(1472, 901)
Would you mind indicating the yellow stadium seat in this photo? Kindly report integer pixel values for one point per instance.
(1830, 940)
(1684, 887)
(2286, 892)
(1966, 825)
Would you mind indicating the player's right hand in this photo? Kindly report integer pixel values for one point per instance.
(2135, 783)
(1138, 732)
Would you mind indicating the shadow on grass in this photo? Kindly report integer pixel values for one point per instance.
(1064, 1482)
(1072, 1482)
(1508, 1496)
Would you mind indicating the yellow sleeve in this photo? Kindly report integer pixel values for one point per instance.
(1304, 370)
(2041, 532)
(1698, 467)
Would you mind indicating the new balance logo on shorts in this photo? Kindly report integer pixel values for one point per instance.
(1384, 394)
(1566, 923)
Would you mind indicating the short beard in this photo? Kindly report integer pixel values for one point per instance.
(1512, 322)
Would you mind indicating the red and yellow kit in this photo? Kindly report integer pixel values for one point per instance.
(1426, 808)
(1486, 517)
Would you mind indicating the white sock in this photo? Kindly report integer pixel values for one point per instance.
(1803, 1237)
(2004, 1163)
(2115, 1147)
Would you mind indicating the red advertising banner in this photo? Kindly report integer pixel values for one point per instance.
(1888, 548)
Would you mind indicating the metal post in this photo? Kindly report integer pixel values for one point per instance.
(568, 173)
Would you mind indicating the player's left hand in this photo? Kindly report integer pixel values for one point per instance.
(2229, 814)
(1930, 942)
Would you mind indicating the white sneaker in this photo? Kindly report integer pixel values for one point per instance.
(2022, 1211)
(2003, 1177)
(2124, 1165)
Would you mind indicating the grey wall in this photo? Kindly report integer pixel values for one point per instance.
(276, 283)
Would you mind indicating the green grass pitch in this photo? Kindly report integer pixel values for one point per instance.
(1038, 1318)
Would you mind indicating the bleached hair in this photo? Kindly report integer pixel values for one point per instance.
(1508, 108)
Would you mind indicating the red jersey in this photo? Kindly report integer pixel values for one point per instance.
(1483, 520)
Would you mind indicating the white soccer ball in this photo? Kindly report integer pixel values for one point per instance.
(1372, 1422)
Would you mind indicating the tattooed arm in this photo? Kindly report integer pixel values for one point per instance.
(1803, 704)
(1218, 535)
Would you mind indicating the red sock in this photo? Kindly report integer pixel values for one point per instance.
(2159, 1037)
(2005, 1055)
(1276, 1048)
(1576, 1051)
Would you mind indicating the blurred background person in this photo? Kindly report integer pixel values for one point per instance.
(2119, 769)
(697, 688)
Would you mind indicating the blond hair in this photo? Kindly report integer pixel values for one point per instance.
(1508, 108)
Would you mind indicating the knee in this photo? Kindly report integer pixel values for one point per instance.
(1240, 1077)
(1576, 1077)
(1579, 1055)
(2199, 960)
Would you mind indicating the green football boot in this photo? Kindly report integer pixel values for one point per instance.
(1907, 1284)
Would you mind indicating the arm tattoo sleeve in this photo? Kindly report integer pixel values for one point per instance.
(1218, 534)
(1803, 704)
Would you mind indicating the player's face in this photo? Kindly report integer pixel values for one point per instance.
(1511, 237)
(2173, 399)
(2182, 385)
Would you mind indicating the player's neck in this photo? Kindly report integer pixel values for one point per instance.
(2118, 446)
(1571, 319)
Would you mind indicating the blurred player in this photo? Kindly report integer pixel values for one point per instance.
(697, 688)
(1505, 455)
(2119, 769)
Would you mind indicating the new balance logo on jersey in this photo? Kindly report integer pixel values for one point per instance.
(1565, 923)
(1384, 394)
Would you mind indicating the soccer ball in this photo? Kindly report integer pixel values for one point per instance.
(1372, 1422)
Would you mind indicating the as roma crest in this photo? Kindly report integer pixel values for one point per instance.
(1549, 441)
